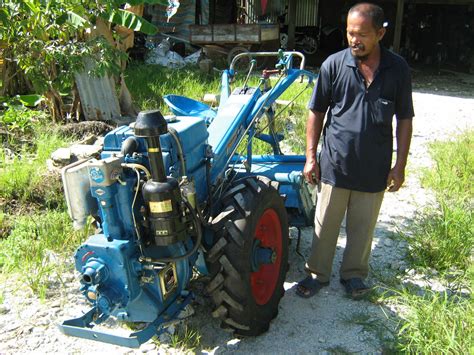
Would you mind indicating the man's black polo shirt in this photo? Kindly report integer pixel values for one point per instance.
(357, 143)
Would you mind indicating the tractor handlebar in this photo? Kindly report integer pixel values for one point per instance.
(280, 54)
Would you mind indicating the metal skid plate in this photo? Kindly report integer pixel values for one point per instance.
(82, 327)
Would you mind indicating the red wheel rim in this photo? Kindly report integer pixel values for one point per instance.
(264, 281)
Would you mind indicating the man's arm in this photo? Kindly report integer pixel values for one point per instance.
(314, 126)
(396, 176)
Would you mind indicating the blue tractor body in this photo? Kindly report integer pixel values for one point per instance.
(170, 194)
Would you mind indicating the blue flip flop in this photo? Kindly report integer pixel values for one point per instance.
(355, 287)
(308, 287)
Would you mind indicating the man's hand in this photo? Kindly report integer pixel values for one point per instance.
(314, 126)
(395, 179)
(396, 176)
(311, 171)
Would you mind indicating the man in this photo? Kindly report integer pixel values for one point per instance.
(363, 87)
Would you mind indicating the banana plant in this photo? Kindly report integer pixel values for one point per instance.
(47, 41)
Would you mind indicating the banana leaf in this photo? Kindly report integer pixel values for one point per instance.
(76, 20)
(4, 17)
(130, 20)
(30, 100)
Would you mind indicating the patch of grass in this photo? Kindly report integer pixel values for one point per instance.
(18, 124)
(443, 237)
(451, 177)
(16, 121)
(373, 325)
(24, 177)
(185, 339)
(295, 117)
(386, 279)
(436, 323)
(33, 236)
(5, 225)
(33, 246)
(149, 83)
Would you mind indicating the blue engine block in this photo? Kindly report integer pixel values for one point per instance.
(117, 284)
(113, 279)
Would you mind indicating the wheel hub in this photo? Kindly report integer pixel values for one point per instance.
(266, 256)
(261, 255)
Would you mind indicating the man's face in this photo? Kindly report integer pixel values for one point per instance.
(362, 37)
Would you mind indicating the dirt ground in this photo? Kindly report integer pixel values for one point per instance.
(327, 323)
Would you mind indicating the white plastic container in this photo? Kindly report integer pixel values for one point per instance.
(77, 191)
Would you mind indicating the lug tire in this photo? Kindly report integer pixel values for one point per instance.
(243, 64)
(246, 300)
(309, 45)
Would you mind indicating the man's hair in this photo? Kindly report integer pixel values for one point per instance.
(372, 11)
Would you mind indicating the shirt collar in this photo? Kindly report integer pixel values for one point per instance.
(350, 61)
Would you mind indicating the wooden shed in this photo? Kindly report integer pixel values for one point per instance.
(420, 30)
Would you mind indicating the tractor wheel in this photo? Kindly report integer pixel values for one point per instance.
(243, 64)
(309, 45)
(249, 261)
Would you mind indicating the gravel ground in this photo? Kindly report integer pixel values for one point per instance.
(328, 322)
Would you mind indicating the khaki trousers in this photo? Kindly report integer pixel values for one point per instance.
(362, 210)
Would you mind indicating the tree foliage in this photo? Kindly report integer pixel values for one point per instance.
(49, 40)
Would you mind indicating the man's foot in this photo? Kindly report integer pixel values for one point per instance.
(355, 287)
(309, 287)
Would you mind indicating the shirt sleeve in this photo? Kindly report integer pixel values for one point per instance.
(404, 100)
(321, 96)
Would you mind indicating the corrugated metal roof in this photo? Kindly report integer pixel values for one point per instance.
(306, 11)
(98, 97)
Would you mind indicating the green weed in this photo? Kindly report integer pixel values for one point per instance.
(290, 117)
(24, 177)
(31, 243)
(443, 237)
(451, 177)
(185, 339)
(188, 339)
(373, 325)
(34, 244)
(149, 83)
(18, 123)
(436, 323)
(295, 115)
(18, 118)
(5, 225)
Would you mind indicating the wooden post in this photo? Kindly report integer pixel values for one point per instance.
(291, 24)
(398, 26)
